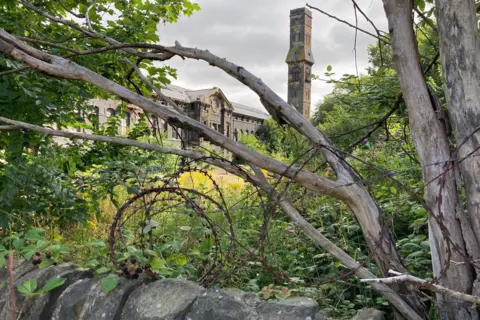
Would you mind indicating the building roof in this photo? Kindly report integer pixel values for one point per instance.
(188, 96)
(249, 111)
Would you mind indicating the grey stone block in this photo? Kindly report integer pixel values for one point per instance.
(296, 308)
(217, 304)
(167, 299)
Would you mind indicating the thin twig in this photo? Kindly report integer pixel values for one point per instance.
(427, 20)
(47, 43)
(78, 15)
(152, 87)
(3, 73)
(356, 36)
(12, 285)
(349, 24)
(378, 31)
(89, 24)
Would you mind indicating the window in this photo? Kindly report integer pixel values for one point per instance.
(128, 118)
(110, 113)
(215, 126)
(79, 118)
(176, 133)
(154, 123)
(296, 73)
(228, 130)
(96, 119)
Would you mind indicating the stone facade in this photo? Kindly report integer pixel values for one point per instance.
(300, 60)
(209, 106)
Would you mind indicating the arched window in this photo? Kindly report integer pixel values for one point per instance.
(110, 113)
(296, 73)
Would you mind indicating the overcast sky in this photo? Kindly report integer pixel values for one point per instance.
(255, 35)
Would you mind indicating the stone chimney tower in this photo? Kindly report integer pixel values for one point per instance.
(300, 60)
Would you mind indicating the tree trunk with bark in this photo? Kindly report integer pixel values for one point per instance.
(452, 240)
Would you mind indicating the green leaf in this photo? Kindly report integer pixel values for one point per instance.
(329, 68)
(2, 261)
(97, 243)
(181, 260)
(393, 190)
(64, 249)
(18, 244)
(28, 287)
(102, 270)
(206, 245)
(109, 283)
(91, 263)
(46, 263)
(35, 235)
(53, 283)
(157, 264)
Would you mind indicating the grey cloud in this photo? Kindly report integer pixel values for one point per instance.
(255, 34)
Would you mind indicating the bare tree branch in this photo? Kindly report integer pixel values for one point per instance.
(78, 15)
(89, 24)
(122, 141)
(153, 88)
(9, 127)
(426, 19)
(47, 43)
(378, 31)
(401, 277)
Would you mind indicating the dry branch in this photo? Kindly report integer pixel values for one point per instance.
(153, 88)
(401, 277)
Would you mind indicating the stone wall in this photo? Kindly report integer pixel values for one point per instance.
(81, 297)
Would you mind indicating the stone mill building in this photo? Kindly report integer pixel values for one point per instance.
(213, 108)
